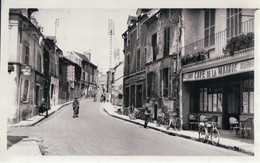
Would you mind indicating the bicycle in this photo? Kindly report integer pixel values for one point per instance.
(207, 129)
(175, 122)
(134, 113)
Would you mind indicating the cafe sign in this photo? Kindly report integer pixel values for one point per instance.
(134, 79)
(220, 71)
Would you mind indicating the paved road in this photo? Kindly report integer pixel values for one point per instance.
(96, 133)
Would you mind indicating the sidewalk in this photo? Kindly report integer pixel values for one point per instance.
(34, 120)
(30, 146)
(228, 142)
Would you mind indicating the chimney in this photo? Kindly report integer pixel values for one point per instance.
(88, 54)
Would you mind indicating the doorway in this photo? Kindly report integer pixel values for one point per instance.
(231, 107)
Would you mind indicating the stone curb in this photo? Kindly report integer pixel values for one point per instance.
(234, 148)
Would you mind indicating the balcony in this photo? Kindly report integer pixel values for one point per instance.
(220, 45)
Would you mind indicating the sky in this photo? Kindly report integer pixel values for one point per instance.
(86, 29)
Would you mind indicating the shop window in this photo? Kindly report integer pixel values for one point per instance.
(139, 93)
(126, 97)
(154, 45)
(211, 100)
(234, 20)
(132, 102)
(209, 30)
(25, 97)
(248, 96)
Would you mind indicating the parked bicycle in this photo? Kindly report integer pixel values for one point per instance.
(162, 119)
(209, 129)
(175, 122)
(134, 113)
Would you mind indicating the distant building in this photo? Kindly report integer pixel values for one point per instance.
(88, 74)
(117, 84)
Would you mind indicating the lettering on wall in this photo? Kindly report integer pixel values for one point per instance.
(220, 71)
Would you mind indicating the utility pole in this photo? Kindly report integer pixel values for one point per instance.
(111, 32)
(56, 25)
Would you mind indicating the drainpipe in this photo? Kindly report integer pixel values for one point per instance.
(179, 63)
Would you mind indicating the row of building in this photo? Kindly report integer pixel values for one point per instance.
(40, 70)
(198, 61)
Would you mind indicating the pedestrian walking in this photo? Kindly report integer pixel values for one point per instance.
(42, 107)
(104, 96)
(147, 113)
(75, 106)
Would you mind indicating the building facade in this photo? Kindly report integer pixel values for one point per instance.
(196, 61)
(25, 64)
(218, 64)
(134, 86)
(88, 74)
(162, 46)
(151, 59)
(117, 84)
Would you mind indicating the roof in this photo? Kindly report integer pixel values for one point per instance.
(131, 20)
(85, 58)
(82, 56)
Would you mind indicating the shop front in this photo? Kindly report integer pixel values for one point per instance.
(134, 91)
(222, 90)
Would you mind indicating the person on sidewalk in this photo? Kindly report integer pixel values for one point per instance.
(42, 107)
(75, 105)
(147, 113)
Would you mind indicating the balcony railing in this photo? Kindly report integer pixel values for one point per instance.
(215, 45)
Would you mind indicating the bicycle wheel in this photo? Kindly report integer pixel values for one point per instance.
(202, 134)
(215, 136)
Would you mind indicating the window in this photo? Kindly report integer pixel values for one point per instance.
(248, 96)
(150, 84)
(165, 82)
(128, 39)
(138, 27)
(25, 97)
(211, 100)
(52, 89)
(166, 41)
(132, 102)
(154, 45)
(83, 75)
(209, 27)
(128, 64)
(138, 67)
(234, 20)
(145, 53)
(27, 54)
(39, 62)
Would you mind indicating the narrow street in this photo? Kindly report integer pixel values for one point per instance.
(94, 132)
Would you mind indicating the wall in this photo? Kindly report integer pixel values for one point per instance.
(193, 25)
(14, 40)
